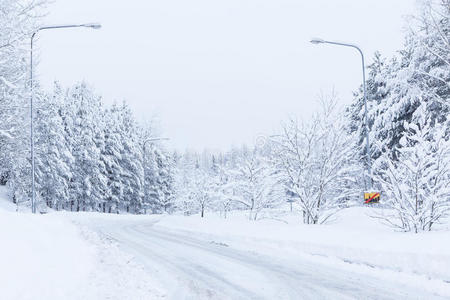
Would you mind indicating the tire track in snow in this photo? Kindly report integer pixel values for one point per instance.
(193, 268)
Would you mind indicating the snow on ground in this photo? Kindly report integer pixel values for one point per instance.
(42, 258)
(4, 204)
(117, 274)
(49, 257)
(213, 258)
(355, 241)
(84, 255)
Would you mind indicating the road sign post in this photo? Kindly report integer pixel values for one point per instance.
(290, 201)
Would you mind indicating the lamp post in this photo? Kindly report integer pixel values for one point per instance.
(366, 119)
(145, 161)
(87, 25)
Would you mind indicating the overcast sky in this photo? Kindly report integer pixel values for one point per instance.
(218, 73)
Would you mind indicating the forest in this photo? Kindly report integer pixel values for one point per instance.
(93, 157)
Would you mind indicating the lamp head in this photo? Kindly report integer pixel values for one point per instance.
(317, 41)
(93, 25)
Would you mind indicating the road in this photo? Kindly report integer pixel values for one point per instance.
(190, 267)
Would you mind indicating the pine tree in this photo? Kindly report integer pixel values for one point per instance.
(131, 163)
(111, 157)
(421, 74)
(165, 181)
(88, 184)
(377, 92)
(53, 158)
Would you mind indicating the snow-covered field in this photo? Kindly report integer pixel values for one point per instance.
(99, 256)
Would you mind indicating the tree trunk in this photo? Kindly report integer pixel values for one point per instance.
(431, 216)
(251, 208)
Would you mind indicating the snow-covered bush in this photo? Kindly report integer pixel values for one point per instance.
(256, 186)
(417, 184)
(315, 161)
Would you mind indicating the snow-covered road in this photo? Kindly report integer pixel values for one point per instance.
(191, 267)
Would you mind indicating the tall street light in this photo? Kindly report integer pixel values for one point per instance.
(366, 119)
(87, 25)
(145, 161)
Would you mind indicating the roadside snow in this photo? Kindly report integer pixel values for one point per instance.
(354, 241)
(50, 257)
(59, 256)
(42, 258)
(118, 275)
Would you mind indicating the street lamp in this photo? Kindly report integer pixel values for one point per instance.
(145, 161)
(88, 25)
(317, 41)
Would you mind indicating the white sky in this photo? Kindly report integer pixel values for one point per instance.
(218, 73)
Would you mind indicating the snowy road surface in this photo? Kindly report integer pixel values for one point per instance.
(193, 268)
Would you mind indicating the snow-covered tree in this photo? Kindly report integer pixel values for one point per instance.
(183, 196)
(53, 158)
(84, 125)
(225, 188)
(195, 187)
(380, 72)
(111, 157)
(131, 163)
(315, 162)
(420, 74)
(17, 20)
(255, 183)
(87, 157)
(160, 180)
(417, 184)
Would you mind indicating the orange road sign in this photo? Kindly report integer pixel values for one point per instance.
(371, 198)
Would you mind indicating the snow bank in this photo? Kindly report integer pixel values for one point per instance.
(353, 240)
(50, 257)
(118, 275)
(42, 258)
